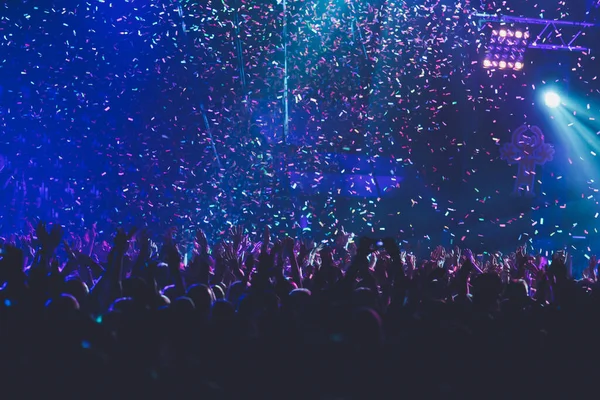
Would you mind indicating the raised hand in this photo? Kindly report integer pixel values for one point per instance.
(591, 269)
(70, 252)
(233, 259)
(342, 238)
(411, 264)
(521, 256)
(170, 252)
(470, 261)
(266, 240)
(249, 263)
(468, 254)
(392, 248)
(306, 246)
(277, 250)
(365, 246)
(49, 241)
(288, 244)
(326, 257)
(145, 245)
(122, 240)
(438, 254)
(237, 236)
(202, 243)
(456, 255)
(373, 257)
(255, 249)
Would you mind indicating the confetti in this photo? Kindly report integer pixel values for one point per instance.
(128, 110)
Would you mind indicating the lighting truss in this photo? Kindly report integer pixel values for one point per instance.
(556, 35)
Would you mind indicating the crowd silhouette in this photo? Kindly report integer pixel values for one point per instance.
(286, 318)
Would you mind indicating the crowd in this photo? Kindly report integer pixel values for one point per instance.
(286, 318)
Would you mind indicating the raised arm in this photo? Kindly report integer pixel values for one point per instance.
(172, 256)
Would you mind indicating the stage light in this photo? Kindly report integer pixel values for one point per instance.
(487, 63)
(552, 99)
(506, 48)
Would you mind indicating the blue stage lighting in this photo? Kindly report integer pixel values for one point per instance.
(552, 99)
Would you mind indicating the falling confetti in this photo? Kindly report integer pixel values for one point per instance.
(145, 113)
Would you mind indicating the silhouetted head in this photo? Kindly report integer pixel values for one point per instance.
(223, 311)
(436, 289)
(517, 290)
(170, 291)
(202, 296)
(218, 291)
(486, 289)
(163, 277)
(366, 328)
(364, 297)
(183, 304)
(258, 304)
(136, 288)
(162, 301)
(76, 288)
(235, 291)
(298, 300)
(301, 294)
(62, 304)
(125, 305)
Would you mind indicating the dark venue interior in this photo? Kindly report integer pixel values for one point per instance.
(328, 199)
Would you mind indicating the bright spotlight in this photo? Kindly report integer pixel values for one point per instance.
(503, 33)
(518, 65)
(503, 64)
(552, 99)
(487, 63)
(518, 34)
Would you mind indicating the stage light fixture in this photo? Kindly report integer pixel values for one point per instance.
(506, 48)
(551, 99)
(487, 63)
